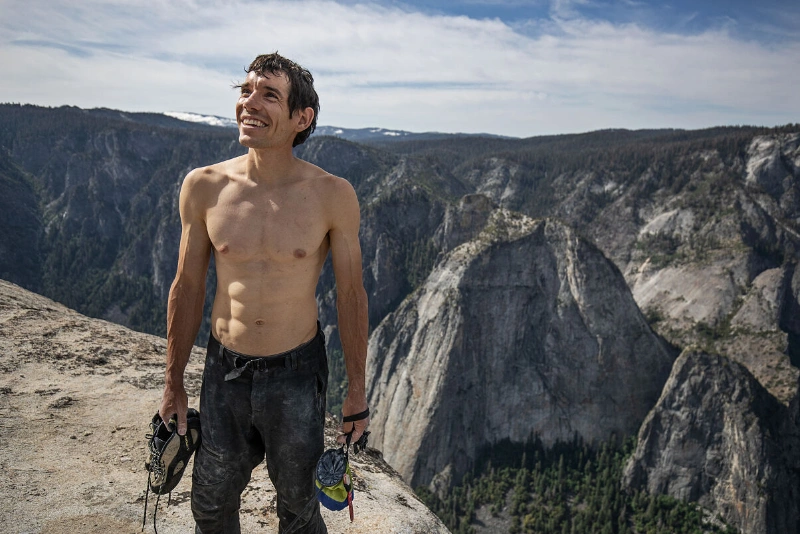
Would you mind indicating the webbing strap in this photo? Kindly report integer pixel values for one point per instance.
(356, 417)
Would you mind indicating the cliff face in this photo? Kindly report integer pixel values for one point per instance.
(717, 437)
(700, 223)
(692, 221)
(712, 260)
(524, 330)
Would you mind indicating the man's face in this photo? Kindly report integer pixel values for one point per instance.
(262, 111)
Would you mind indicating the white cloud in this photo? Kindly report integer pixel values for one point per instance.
(384, 66)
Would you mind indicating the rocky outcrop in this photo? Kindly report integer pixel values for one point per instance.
(463, 221)
(790, 312)
(396, 239)
(714, 254)
(772, 165)
(76, 397)
(525, 330)
(717, 437)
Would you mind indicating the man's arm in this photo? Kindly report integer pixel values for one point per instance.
(351, 301)
(185, 305)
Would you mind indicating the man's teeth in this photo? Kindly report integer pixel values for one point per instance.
(253, 122)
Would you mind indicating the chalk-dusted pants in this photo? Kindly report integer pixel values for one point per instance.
(252, 408)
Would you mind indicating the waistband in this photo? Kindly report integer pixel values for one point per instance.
(303, 356)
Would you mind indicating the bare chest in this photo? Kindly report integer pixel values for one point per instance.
(275, 228)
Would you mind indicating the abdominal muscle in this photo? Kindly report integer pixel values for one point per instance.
(263, 309)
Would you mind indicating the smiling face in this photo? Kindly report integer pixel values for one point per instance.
(262, 112)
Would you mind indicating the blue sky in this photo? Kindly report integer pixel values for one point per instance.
(752, 19)
(509, 67)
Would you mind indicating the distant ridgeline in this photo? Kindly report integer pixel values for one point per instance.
(519, 289)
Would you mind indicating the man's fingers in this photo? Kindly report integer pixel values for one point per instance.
(345, 429)
(356, 435)
(177, 416)
(357, 428)
(174, 405)
(182, 424)
(342, 437)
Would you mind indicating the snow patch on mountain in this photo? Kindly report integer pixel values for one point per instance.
(212, 120)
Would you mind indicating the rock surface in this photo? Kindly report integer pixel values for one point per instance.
(719, 438)
(714, 253)
(76, 397)
(525, 330)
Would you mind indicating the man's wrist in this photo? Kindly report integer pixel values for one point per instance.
(356, 393)
(172, 382)
(356, 400)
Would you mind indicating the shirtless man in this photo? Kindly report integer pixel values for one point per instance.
(270, 220)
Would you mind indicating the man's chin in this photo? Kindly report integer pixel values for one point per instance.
(249, 142)
(254, 142)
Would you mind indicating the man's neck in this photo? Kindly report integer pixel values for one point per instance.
(270, 166)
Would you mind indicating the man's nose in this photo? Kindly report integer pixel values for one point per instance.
(249, 101)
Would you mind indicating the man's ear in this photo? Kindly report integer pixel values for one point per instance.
(305, 117)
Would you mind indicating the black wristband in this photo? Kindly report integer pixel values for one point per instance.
(357, 417)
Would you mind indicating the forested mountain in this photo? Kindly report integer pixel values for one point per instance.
(106, 211)
(521, 290)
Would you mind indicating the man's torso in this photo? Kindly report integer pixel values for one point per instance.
(269, 244)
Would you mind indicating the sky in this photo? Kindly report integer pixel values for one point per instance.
(506, 67)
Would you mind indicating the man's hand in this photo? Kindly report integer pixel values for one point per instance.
(353, 406)
(175, 402)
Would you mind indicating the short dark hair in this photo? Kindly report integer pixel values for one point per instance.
(302, 94)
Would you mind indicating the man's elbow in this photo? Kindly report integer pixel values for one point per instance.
(185, 285)
(351, 294)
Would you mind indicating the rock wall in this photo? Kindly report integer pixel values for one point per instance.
(719, 438)
(525, 330)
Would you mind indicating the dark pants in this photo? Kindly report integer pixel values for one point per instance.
(252, 408)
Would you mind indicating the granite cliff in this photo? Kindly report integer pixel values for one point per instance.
(700, 223)
(525, 330)
(719, 438)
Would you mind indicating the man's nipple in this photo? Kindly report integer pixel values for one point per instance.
(223, 249)
(299, 253)
(259, 322)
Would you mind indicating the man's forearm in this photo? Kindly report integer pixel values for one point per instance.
(351, 306)
(184, 315)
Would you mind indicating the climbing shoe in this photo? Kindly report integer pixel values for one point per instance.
(169, 452)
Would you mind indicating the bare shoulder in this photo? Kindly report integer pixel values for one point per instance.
(212, 175)
(340, 191)
(202, 185)
(329, 186)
